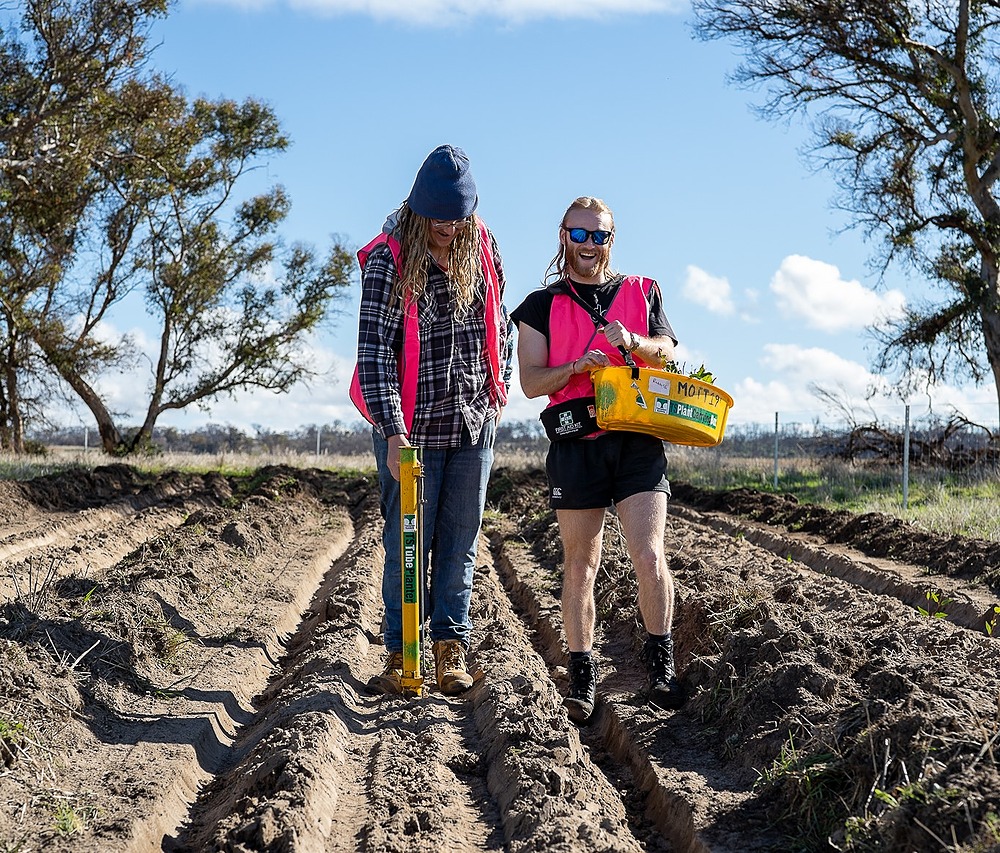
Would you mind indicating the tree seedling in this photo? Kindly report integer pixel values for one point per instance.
(935, 601)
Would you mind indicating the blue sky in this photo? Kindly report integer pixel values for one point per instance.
(553, 100)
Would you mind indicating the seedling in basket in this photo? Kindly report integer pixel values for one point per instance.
(701, 373)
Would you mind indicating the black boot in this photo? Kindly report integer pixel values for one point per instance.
(665, 691)
(582, 689)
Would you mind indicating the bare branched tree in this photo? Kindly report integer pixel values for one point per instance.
(904, 98)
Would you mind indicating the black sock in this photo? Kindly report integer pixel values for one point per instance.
(659, 638)
(579, 655)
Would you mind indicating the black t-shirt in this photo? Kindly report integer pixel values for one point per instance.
(534, 311)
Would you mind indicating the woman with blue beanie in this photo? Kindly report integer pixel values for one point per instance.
(434, 357)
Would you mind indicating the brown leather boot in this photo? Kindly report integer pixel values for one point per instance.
(449, 667)
(390, 681)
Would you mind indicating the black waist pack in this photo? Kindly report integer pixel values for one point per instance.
(572, 419)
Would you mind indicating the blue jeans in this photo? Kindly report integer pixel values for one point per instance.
(454, 486)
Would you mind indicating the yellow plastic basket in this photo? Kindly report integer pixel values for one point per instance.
(679, 409)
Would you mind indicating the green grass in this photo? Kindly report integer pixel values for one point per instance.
(12, 737)
(944, 502)
(70, 819)
(58, 460)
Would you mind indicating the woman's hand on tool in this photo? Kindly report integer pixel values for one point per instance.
(395, 442)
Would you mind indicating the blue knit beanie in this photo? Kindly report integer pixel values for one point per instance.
(444, 187)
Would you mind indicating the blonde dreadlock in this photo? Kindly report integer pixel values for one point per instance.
(465, 271)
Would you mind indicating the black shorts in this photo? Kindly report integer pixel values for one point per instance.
(590, 473)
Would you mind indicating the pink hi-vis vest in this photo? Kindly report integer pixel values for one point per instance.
(572, 332)
(409, 358)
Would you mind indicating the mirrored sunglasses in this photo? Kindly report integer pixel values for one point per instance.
(458, 224)
(580, 235)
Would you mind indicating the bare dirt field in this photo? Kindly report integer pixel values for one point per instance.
(183, 661)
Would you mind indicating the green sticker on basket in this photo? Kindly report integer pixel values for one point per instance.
(689, 413)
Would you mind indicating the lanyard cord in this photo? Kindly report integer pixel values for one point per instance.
(599, 319)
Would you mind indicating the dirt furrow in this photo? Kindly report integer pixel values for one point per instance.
(668, 801)
(969, 605)
(496, 769)
(551, 794)
(319, 770)
(298, 775)
(88, 546)
(208, 690)
(814, 684)
(58, 533)
(779, 661)
(144, 732)
(209, 703)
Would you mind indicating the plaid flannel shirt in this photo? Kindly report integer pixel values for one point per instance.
(453, 384)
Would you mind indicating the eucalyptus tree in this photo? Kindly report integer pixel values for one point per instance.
(60, 63)
(231, 305)
(119, 191)
(904, 102)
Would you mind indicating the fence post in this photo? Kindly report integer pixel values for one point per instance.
(906, 457)
(776, 451)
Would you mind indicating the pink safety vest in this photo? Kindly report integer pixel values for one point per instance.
(409, 358)
(572, 332)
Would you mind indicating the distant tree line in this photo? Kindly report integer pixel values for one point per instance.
(955, 443)
(336, 437)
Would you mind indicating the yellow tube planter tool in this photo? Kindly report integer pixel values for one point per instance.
(411, 498)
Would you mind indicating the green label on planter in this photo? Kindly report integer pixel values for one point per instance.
(693, 413)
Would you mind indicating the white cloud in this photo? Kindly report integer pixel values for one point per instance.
(805, 365)
(126, 392)
(814, 292)
(793, 396)
(755, 402)
(706, 290)
(323, 400)
(448, 12)
(689, 358)
(793, 373)
(977, 403)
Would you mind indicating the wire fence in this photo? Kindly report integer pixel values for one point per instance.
(892, 439)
